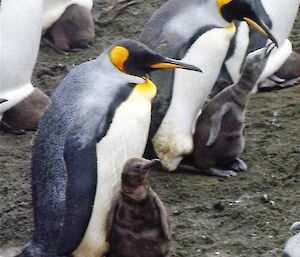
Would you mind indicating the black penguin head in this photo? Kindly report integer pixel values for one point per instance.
(135, 58)
(135, 171)
(243, 10)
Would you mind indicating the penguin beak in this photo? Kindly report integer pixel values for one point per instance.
(261, 27)
(168, 63)
(150, 164)
(244, 11)
(2, 100)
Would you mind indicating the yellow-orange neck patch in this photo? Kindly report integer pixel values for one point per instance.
(118, 56)
(221, 3)
(147, 89)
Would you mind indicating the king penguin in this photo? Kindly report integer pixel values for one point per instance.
(20, 34)
(194, 31)
(99, 117)
(280, 24)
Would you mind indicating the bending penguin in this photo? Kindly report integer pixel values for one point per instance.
(184, 30)
(292, 247)
(98, 118)
(138, 223)
(20, 35)
(218, 137)
(280, 24)
(69, 23)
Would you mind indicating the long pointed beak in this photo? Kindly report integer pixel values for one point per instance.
(2, 100)
(262, 27)
(169, 63)
(150, 164)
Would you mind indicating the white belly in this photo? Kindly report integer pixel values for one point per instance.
(126, 138)
(53, 9)
(282, 14)
(13, 97)
(190, 91)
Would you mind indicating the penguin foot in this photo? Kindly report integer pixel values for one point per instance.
(220, 172)
(8, 129)
(238, 165)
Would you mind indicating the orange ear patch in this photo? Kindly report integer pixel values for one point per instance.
(118, 56)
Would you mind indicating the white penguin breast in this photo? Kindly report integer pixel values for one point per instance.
(190, 91)
(282, 13)
(126, 138)
(13, 97)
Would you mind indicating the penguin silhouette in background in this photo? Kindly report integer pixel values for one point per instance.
(189, 30)
(292, 247)
(20, 35)
(219, 137)
(98, 118)
(138, 222)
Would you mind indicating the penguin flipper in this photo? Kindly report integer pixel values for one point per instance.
(216, 122)
(81, 166)
(165, 220)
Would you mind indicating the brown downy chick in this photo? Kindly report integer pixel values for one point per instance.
(138, 223)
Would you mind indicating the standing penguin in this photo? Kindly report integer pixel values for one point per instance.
(292, 247)
(138, 223)
(20, 34)
(218, 135)
(98, 118)
(189, 30)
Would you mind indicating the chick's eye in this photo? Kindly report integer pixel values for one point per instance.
(137, 166)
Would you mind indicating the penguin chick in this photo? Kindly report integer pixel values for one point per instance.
(74, 29)
(218, 135)
(138, 223)
(292, 247)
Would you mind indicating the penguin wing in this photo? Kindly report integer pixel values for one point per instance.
(216, 123)
(81, 166)
(164, 217)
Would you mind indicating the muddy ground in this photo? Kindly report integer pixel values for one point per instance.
(247, 215)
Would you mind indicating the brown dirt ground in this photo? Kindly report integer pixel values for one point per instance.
(248, 215)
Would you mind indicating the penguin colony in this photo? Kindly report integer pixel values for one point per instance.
(99, 121)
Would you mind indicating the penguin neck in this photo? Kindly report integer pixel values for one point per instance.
(107, 67)
(243, 88)
(135, 194)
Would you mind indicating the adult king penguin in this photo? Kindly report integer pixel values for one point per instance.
(189, 30)
(20, 34)
(245, 41)
(99, 117)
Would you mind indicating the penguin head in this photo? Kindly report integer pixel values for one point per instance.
(135, 58)
(256, 61)
(243, 10)
(134, 177)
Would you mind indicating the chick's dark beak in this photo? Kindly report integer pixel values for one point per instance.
(168, 63)
(150, 164)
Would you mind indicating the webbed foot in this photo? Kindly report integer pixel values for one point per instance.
(238, 165)
(219, 172)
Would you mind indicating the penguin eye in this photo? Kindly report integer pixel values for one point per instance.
(137, 166)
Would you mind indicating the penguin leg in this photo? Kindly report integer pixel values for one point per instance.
(9, 129)
(238, 165)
